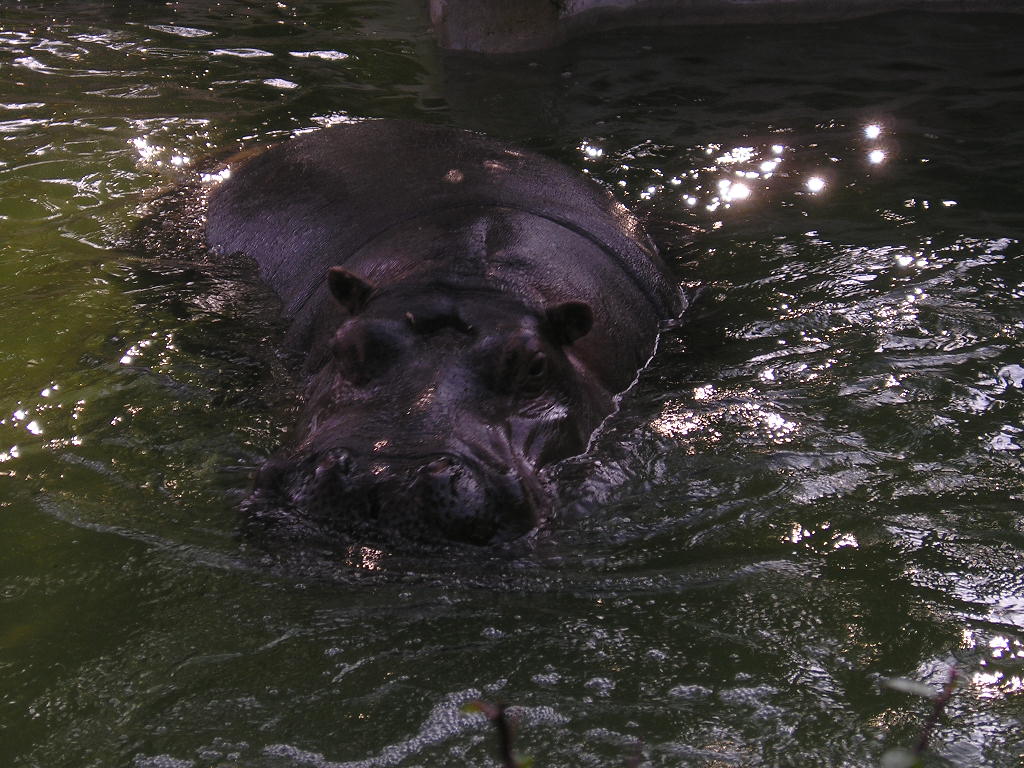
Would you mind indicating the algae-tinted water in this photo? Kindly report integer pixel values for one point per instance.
(816, 485)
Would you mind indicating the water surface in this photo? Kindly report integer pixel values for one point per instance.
(815, 487)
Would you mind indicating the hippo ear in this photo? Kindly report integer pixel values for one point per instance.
(568, 321)
(349, 290)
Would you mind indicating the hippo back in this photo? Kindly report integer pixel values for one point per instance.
(312, 202)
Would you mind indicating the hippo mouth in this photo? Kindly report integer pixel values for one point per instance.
(340, 496)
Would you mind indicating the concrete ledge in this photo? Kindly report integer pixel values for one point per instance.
(496, 26)
(510, 26)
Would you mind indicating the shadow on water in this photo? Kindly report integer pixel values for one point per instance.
(815, 485)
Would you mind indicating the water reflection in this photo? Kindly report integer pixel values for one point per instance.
(722, 411)
(278, 82)
(730, 190)
(815, 184)
(365, 558)
(827, 490)
(242, 53)
(590, 151)
(179, 31)
(325, 55)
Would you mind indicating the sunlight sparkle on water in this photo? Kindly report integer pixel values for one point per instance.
(1007, 652)
(704, 393)
(872, 131)
(326, 55)
(918, 261)
(991, 683)
(242, 53)
(277, 82)
(677, 424)
(730, 190)
(815, 184)
(876, 156)
(146, 150)
(365, 557)
(134, 351)
(677, 421)
(737, 155)
(845, 540)
(215, 178)
(779, 429)
(738, 192)
(180, 31)
(332, 118)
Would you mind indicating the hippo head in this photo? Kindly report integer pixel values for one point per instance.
(430, 414)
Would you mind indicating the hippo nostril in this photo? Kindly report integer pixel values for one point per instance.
(271, 475)
(338, 460)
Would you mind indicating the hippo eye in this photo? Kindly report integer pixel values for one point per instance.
(520, 367)
(537, 368)
(363, 353)
(534, 375)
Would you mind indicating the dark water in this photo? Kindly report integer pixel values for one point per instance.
(815, 487)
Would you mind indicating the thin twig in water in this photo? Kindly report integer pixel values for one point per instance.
(637, 757)
(501, 721)
(940, 706)
(496, 714)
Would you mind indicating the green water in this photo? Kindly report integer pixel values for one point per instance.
(815, 487)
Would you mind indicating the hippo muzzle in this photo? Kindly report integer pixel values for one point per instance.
(436, 498)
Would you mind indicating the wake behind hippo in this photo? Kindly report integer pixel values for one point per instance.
(468, 312)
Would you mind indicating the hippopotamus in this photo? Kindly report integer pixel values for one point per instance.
(466, 314)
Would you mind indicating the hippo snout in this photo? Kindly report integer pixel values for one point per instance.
(438, 497)
(468, 503)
